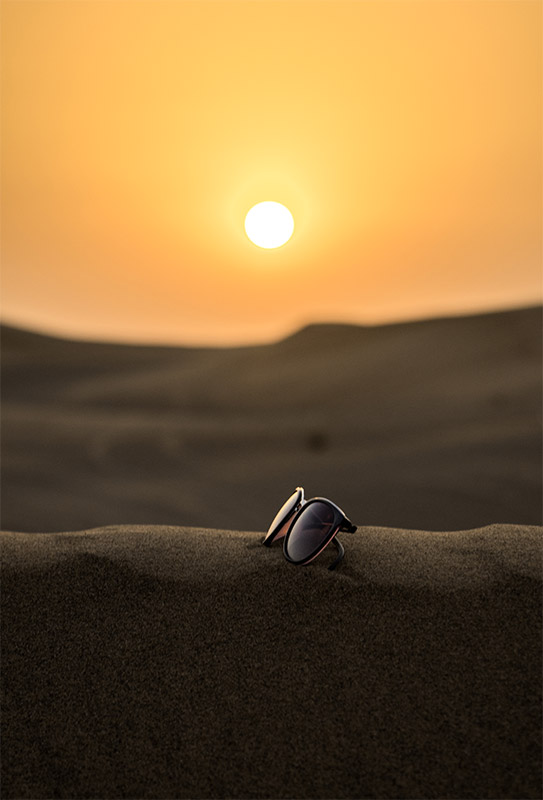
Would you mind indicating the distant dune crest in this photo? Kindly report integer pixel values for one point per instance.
(432, 425)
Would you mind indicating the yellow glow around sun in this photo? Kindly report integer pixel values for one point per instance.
(269, 224)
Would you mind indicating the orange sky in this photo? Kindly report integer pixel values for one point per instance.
(405, 138)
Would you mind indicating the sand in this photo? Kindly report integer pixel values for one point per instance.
(144, 659)
(430, 425)
(173, 662)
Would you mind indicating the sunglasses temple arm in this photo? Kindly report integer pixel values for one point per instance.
(348, 526)
(341, 553)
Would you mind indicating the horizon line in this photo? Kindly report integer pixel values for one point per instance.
(58, 334)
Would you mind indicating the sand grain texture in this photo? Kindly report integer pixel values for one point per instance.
(169, 662)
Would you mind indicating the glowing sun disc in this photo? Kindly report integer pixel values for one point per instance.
(269, 224)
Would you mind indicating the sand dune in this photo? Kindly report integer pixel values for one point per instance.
(429, 425)
(175, 662)
(149, 660)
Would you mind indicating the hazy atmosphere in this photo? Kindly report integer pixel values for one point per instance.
(404, 137)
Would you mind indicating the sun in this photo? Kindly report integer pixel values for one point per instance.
(269, 224)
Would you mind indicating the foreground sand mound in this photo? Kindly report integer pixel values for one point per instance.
(179, 662)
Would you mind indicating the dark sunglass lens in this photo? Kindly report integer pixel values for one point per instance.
(285, 511)
(310, 531)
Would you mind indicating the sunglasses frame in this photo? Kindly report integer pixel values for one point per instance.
(272, 535)
(342, 523)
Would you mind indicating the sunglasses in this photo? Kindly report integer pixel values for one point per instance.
(308, 526)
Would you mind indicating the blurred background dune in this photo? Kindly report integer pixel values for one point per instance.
(432, 425)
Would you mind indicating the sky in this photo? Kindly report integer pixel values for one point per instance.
(403, 135)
